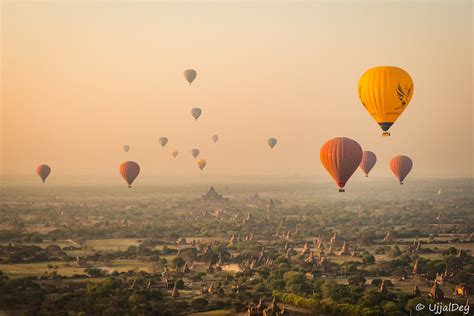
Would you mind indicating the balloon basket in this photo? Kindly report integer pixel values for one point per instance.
(342, 190)
(401, 183)
(129, 186)
(385, 134)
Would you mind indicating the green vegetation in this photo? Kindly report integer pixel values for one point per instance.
(83, 253)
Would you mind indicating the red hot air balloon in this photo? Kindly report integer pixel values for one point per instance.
(368, 162)
(43, 171)
(401, 166)
(341, 156)
(129, 171)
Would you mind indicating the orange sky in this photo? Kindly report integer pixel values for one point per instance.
(81, 79)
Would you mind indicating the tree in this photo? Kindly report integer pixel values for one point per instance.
(178, 262)
(296, 282)
(199, 303)
(357, 280)
(368, 259)
(94, 272)
(180, 284)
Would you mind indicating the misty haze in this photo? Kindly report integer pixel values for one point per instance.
(236, 158)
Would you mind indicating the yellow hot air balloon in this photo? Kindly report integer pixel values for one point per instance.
(201, 163)
(385, 92)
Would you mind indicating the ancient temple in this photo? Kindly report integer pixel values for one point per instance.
(383, 287)
(416, 291)
(415, 268)
(175, 293)
(306, 249)
(344, 250)
(212, 196)
(436, 293)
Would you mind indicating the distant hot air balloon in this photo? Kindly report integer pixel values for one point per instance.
(126, 148)
(215, 138)
(43, 171)
(196, 113)
(195, 152)
(163, 141)
(129, 171)
(272, 142)
(341, 156)
(368, 162)
(201, 163)
(401, 166)
(190, 75)
(175, 153)
(385, 93)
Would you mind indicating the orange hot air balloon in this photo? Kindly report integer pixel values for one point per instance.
(43, 171)
(401, 167)
(341, 156)
(129, 171)
(368, 162)
(201, 163)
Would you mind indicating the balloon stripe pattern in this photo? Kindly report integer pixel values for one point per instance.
(368, 162)
(129, 171)
(43, 172)
(341, 156)
(401, 167)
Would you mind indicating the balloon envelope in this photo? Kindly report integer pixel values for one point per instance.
(196, 113)
(129, 171)
(215, 138)
(195, 152)
(175, 153)
(368, 162)
(385, 92)
(43, 171)
(401, 167)
(341, 156)
(272, 142)
(201, 163)
(163, 141)
(126, 148)
(190, 75)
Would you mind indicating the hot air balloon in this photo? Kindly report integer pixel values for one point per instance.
(129, 171)
(341, 156)
(272, 142)
(126, 148)
(201, 163)
(215, 138)
(385, 93)
(175, 153)
(196, 113)
(163, 141)
(195, 152)
(190, 75)
(368, 162)
(43, 171)
(401, 166)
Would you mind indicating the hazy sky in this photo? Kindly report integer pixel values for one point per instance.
(81, 79)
